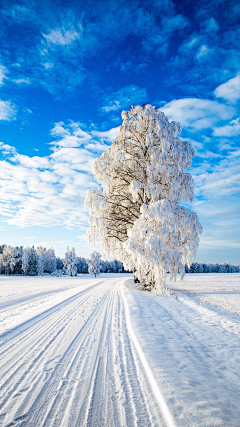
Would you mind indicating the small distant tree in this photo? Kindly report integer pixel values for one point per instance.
(18, 252)
(82, 265)
(70, 262)
(94, 265)
(30, 261)
(11, 259)
(40, 260)
(50, 263)
(8, 259)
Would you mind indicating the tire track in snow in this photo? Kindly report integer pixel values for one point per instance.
(70, 370)
(9, 334)
(47, 337)
(155, 389)
(134, 383)
(26, 365)
(79, 366)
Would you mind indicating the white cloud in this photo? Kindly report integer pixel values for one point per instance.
(109, 135)
(194, 113)
(232, 129)
(22, 81)
(70, 135)
(219, 180)
(50, 190)
(7, 149)
(7, 111)
(48, 65)
(229, 90)
(219, 243)
(61, 36)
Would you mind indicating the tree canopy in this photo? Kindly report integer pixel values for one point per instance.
(136, 212)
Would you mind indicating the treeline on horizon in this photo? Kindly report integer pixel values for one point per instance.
(32, 261)
(36, 262)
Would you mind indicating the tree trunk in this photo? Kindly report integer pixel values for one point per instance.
(136, 280)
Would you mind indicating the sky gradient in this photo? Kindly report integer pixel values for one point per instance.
(68, 69)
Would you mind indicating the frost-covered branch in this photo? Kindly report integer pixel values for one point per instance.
(137, 213)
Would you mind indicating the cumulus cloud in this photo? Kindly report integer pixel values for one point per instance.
(7, 111)
(70, 135)
(124, 98)
(50, 190)
(109, 135)
(229, 90)
(194, 113)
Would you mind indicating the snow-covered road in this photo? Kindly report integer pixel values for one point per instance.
(97, 352)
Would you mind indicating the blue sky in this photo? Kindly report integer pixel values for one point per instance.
(68, 69)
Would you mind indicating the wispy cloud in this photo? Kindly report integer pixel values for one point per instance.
(219, 180)
(124, 98)
(210, 25)
(8, 111)
(61, 36)
(203, 52)
(231, 129)
(3, 74)
(23, 81)
(159, 37)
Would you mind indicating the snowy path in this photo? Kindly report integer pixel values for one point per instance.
(108, 355)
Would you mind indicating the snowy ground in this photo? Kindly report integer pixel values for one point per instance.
(99, 352)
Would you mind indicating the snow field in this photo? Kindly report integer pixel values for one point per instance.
(100, 352)
(216, 289)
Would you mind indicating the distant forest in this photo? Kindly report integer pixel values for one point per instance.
(32, 261)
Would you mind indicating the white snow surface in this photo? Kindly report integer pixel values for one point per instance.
(78, 351)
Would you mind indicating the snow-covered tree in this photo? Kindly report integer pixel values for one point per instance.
(40, 260)
(50, 262)
(18, 252)
(30, 261)
(82, 265)
(137, 213)
(8, 259)
(70, 262)
(94, 264)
